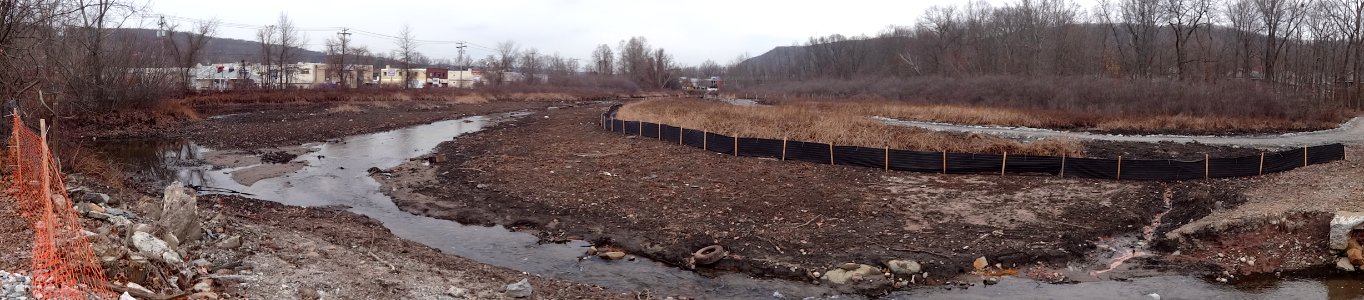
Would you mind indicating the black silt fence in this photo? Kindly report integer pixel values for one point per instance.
(671, 134)
(650, 130)
(760, 147)
(720, 143)
(966, 163)
(807, 152)
(694, 138)
(861, 156)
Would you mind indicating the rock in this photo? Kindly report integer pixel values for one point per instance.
(613, 255)
(307, 293)
(119, 221)
(138, 288)
(202, 263)
(171, 240)
(180, 212)
(1344, 264)
(204, 296)
(981, 263)
(231, 242)
(121, 213)
(842, 274)
(374, 170)
(520, 289)
(592, 251)
(97, 215)
(778, 295)
(126, 296)
(457, 292)
(991, 280)
(85, 208)
(1341, 225)
(904, 267)
(156, 248)
(98, 198)
(205, 285)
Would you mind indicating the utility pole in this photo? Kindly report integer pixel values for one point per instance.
(463, 66)
(345, 36)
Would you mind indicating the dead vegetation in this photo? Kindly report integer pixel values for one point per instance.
(818, 124)
(1074, 102)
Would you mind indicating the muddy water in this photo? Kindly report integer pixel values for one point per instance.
(336, 176)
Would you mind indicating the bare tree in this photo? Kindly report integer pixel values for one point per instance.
(531, 66)
(291, 42)
(407, 54)
(268, 37)
(507, 54)
(187, 47)
(1184, 17)
(603, 61)
(1281, 19)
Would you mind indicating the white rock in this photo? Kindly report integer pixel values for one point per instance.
(520, 289)
(1341, 225)
(155, 248)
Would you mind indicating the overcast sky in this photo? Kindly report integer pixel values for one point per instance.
(692, 30)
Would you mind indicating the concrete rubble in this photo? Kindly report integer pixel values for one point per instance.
(167, 235)
(14, 286)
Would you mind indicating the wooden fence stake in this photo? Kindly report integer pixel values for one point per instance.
(679, 135)
(1207, 158)
(887, 157)
(660, 131)
(736, 145)
(831, 153)
(783, 149)
(1262, 162)
(45, 176)
(1119, 168)
(944, 162)
(1304, 156)
(641, 129)
(705, 138)
(1004, 163)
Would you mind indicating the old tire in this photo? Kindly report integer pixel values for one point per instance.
(709, 255)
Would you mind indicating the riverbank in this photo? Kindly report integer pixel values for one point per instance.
(555, 174)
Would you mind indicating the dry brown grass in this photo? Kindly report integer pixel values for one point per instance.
(814, 123)
(1088, 102)
(1014, 117)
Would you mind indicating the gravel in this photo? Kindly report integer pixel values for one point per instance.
(14, 286)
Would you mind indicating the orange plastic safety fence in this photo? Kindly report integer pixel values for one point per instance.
(64, 266)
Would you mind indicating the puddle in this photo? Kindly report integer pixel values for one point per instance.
(336, 175)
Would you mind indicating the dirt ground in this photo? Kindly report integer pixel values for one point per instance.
(1282, 222)
(557, 173)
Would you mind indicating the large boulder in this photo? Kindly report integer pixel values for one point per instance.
(520, 289)
(180, 212)
(1341, 225)
(156, 248)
